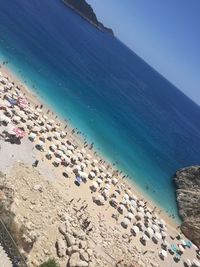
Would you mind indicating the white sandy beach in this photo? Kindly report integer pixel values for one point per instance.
(131, 231)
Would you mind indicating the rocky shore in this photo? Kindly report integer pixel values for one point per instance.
(188, 198)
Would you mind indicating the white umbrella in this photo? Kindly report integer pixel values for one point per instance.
(70, 147)
(16, 118)
(141, 209)
(130, 216)
(141, 203)
(115, 194)
(125, 222)
(149, 231)
(114, 181)
(99, 181)
(53, 147)
(135, 229)
(68, 152)
(107, 186)
(121, 208)
(133, 203)
(126, 196)
(163, 253)
(83, 165)
(139, 215)
(92, 174)
(32, 136)
(83, 174)
(95, 185)
(155, 227)
(157, 235)
(95, 161)
(57, 160)
(106, 193)
(196, 263)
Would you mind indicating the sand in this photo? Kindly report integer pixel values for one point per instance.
(61, 195)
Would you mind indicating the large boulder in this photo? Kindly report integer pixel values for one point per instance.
(188, 198)
(61, 247)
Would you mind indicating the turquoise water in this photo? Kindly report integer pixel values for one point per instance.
(136, 118)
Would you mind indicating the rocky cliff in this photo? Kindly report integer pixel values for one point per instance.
(188, 197)
(86, 11)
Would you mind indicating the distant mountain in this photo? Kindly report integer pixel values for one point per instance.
(86, 11)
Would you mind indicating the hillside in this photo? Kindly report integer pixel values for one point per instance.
(86, 11)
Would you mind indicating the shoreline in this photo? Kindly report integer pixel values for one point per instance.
(35, 99)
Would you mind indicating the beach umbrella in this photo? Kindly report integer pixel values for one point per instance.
(52, 122)
(62, 134)
(108, 180)
(135, 229)
(148, 215)
(83, 174)
(157, 235)
(183, 242)
(163, 234)
(83, 165)
(128, 192)
(79, 155)
(41, 143)
(106, 193)
(59, 153)
(16, 118)
(57, 160)
(53, 147)
(130, 216)
(32, 136)
(68, 152)
(45, 117)
(100, 199)
(114, 181)
(99, 181)
(196, 263)
(48, 126)
(88, 156)
(19, 132)
(83, 150)
(36, 129)
(141, 203)
(92, 174)
(95, 185)
(181, 248)
(95, 161)
(115, 194)
(139, 215)
(149, 231)
(140, 209)
(187, 262)
(107, 186)
(155, 227)
(121, 208)
(126, 196)
(70, 147)
(163, 253)
(125, 222)
(145, 238)
(133, 203)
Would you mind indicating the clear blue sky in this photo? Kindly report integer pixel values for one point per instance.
(166, 34)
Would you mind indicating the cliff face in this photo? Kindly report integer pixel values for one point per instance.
(188, 198)
(86, 11)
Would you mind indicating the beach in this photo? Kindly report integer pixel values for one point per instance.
(58, 178)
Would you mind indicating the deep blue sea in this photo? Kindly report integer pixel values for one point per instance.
(135, 117)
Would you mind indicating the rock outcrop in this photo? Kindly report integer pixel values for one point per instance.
(188, 198)
(86, 11)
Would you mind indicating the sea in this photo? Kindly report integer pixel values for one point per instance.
(137, 119)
